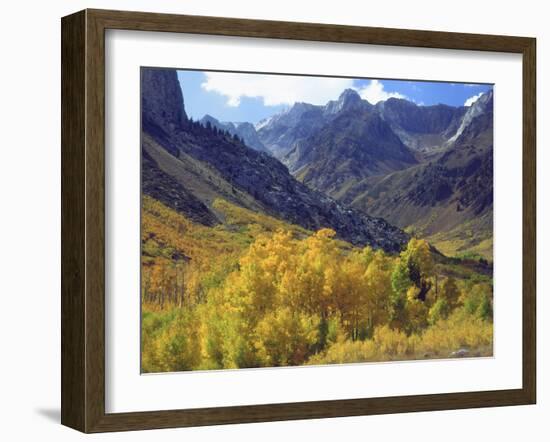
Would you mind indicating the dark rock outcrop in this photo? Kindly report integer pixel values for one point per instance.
(162, 107)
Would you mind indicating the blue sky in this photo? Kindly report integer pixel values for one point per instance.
(253, 97)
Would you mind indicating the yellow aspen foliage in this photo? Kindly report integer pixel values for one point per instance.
(258, 292)
(284, 337)
(392, 343)
(418, 253)
(417, 311)
(449, 292)
(309, 282)
(379, 290)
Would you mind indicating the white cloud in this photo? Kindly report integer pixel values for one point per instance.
(274, 89)
(374, 92)
(472, 99)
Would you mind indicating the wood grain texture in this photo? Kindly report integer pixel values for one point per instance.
(73, 253)
(95, 221)
(83, 220)
(529, 220)
(144, 21)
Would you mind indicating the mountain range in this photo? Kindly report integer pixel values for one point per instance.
(424, 168)
(209, 164)
(449, 195)
(244, 130)
(367, 171)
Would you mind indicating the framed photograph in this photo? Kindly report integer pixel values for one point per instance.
(267, 221)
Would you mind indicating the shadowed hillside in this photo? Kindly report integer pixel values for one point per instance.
(224, 166)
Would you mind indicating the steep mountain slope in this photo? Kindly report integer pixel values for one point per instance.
(352, 146)
(245, 131)
(332, 147)
(449, 197)
(282, 132)
(421, 128)
(210, 164)
(157, 184)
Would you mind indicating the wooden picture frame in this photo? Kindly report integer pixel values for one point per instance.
(83, 220)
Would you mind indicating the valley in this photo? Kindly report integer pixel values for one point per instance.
(335, 233)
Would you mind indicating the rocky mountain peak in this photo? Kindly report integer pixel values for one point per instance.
(348, 99)
(243, 130)
(349, 95)
(243, 124)
(298, 109)
(208, 117)
(214, 122)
